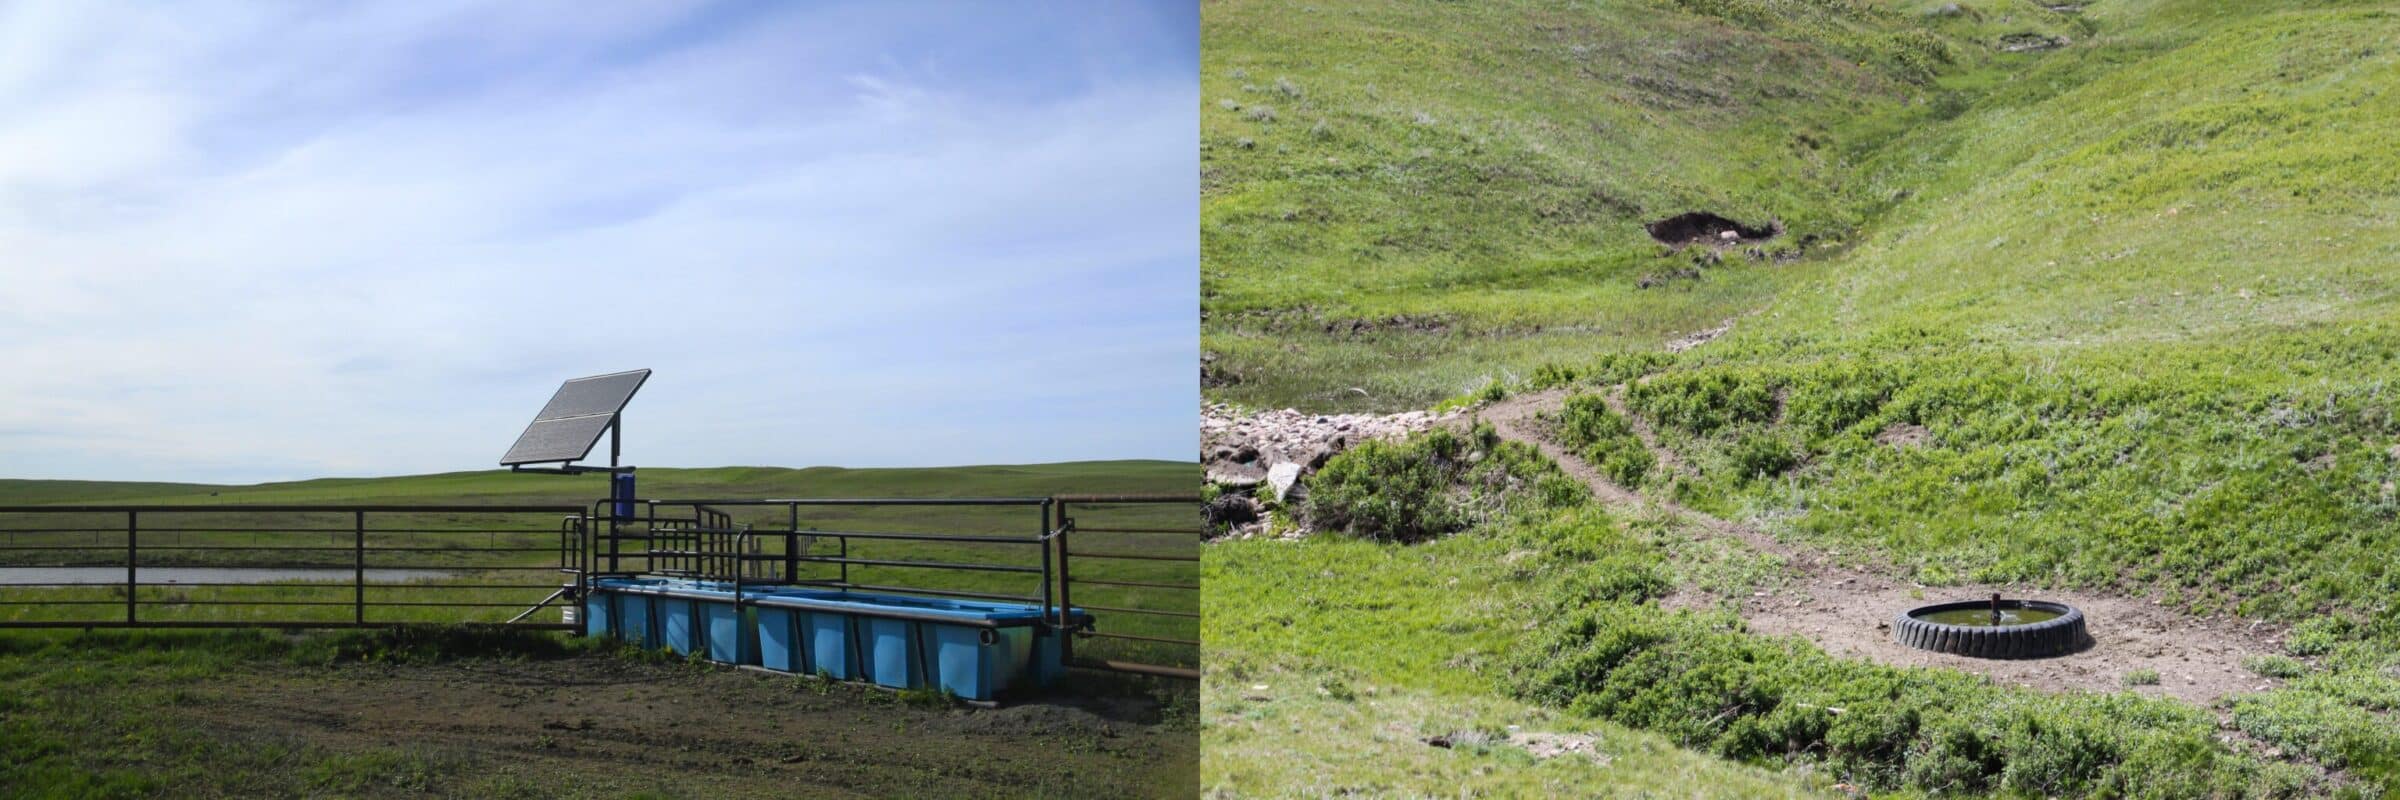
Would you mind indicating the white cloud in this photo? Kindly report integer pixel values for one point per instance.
(369, 241)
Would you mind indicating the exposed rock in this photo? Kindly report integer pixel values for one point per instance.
(1698, 338)
(1239, 443)
(1230, 510)
(1246, 450)
(1545, 746)
(2032, 42)
(1235, 476)
(1281, 479)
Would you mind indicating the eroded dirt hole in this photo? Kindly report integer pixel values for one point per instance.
(1701, 227)
(2031, 42)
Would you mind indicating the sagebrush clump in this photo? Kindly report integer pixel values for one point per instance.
(1434, 483)
(1698, 678)
(1604, 440)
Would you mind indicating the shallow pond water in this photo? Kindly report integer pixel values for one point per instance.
(1982, 617)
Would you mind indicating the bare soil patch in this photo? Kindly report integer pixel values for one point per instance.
(1700, 337)
(1396, 322)
(621, 726)
(2031, 42)
(1701, 227)
(1904, 435)
(1553, 745)
(1847, 610)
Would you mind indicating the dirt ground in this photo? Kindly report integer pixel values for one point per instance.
(1848, 611)
(601, 726)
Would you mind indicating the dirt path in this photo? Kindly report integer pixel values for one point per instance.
(1847, 611)
(1670, 460)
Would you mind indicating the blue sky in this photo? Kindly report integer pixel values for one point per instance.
(254, 241)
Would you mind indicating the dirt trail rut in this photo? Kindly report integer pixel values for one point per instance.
(1846, 610)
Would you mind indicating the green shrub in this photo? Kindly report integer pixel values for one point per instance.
(1551, 375)
(1762, 455)
(1623, 460)
(1625, 367)
(1604, 440)
(1960, 757)
(2275, 666)
(1701, 680)
(2324, 729)
(1493, 391)
(1432, 484)
(1703, 402)
(1830, 398)
(2142, 677)
(1614, 578)
(2317, 636)
(1380, 490)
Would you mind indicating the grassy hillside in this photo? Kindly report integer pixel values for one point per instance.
(2143, 312)
(1333, 663)
(1408, 198)
(2125, 305)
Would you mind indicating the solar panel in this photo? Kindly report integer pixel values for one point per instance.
(599, 394)
(575, 418)
(557, 440)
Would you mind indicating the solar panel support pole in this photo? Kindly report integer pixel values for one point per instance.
(566, 430)
(616, 509)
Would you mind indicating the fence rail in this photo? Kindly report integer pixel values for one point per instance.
(276, 566)
(1159, 587)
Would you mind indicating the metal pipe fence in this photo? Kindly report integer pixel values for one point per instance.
(280, 566)
(1132, 558)
(1154, 542)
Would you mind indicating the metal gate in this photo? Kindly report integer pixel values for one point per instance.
(1136, 561)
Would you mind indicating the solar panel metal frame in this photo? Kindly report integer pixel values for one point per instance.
(597, 394)
(571, 423)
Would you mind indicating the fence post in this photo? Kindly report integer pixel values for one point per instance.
(1066, 605)
(587, 556)
(358, 566)
(1042, 540)
(791, 547)
(613, 517)
(133, 555)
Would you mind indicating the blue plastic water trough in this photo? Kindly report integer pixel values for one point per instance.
(976, 650)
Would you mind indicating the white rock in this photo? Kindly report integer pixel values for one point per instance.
(1282, 477)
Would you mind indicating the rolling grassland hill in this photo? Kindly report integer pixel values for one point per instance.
(2090, 298)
